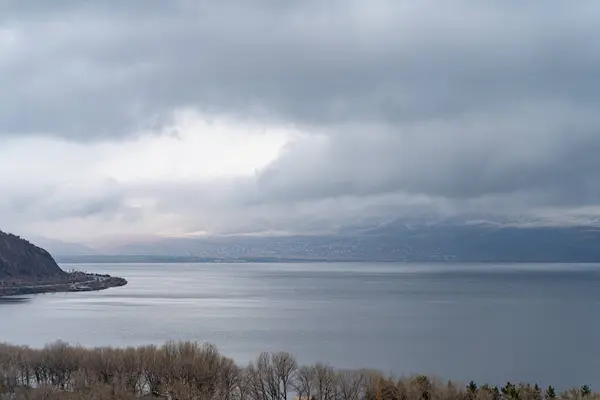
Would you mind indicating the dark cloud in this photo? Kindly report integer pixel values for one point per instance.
(542, 156)
(86, 68)
(412, 105)
(56, 203)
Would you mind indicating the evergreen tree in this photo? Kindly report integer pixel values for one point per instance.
(550, 393)
(585, 391)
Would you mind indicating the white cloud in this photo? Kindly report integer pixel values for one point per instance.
(194, 147)
(67, 189)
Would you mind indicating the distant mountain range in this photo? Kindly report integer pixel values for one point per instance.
(465, 238)
(62, 248)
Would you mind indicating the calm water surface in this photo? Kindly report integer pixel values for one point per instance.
(491, 323)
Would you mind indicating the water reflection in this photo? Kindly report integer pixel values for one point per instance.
(14, 300)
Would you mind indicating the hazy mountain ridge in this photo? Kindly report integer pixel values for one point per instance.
(63, 248)
(477, 238)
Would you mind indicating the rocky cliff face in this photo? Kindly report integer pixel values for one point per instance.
(21, 260)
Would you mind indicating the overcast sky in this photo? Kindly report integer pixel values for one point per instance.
(123, 118)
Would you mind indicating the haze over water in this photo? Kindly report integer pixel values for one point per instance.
(492, 322)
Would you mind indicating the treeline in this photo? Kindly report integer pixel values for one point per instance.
(188, 370)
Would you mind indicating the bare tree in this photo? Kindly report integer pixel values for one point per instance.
(229, 381)
(284, 366)
(266, 373)
(254, 383)
(304, 382)
(324, 382)
(350, 384)
(131, 371)
(152, 363)
(62, 363)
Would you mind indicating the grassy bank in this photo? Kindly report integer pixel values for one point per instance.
(188, 370)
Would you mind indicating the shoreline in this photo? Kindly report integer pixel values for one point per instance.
(79, 282)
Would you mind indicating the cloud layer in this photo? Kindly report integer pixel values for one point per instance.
(232, 116)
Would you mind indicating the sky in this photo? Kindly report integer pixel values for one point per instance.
(131, 119)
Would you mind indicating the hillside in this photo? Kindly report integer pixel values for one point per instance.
(21, 260)
(28, 269)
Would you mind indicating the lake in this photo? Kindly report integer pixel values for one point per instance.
(487, 322)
